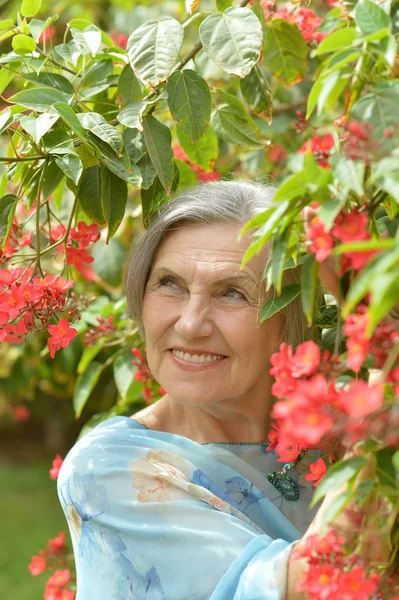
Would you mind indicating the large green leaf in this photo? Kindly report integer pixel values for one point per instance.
(147, 171)
(380, 107)
(89, 40)
(113, 200)
(6, 119)
(51, 179)
(233, 39)
(204, 152)
(71, 166)
(275, 268)
(132, 115)
(119, 165)
(97, 73)
(337, 40)
(337, 475)
(158, 141)
(8, 205)
(232, 123)
(327, 90)
(134, 144)
(384, 297)
(153, 49)
(69, 116)
(129, 87)
(51, 80)
(257, 93)
(38, 99)
(276, 303)
(37, 127)
(285, 51)
(189, 101)
(155, 196)
(99, 127)
(89, 194)
(6, 77)
(108, 261)
(30, 8)
(84, 386)
(370, 18)
(124, 372)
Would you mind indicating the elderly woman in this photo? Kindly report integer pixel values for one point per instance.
(183, 501)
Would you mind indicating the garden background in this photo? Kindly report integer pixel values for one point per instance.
(303, 97)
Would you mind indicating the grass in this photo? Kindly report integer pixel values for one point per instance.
(30, 515)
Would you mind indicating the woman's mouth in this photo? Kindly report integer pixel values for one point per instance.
(195, 360)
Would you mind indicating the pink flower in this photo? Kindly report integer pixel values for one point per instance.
(355, 586)
(56, 466)
(320, 240)
(58, 542)
(306, 359)
(59, 578)
(317, 471)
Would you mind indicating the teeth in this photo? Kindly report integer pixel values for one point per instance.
(197, 358)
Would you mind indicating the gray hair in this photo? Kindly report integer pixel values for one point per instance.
(214, 202)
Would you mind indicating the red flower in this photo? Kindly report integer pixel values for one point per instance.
(58, 542)
(355, 586)
(320, 240)
(59, 578)
(351, 226)
(306, 359)
(21, 413)
(359, 399)
(85, 234)
(320, 148)
(320, 582)
(119, 39)
(37, 565)
(277, 154)
(56, 466)
(62, 335)
(317, 471)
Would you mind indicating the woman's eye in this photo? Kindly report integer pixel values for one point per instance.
(167, 282)
(234, 294)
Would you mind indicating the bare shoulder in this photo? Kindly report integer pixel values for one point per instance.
(150, 416)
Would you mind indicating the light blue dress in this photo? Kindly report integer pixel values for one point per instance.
(156, 516)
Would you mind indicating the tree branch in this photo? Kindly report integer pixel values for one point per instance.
(22, 158)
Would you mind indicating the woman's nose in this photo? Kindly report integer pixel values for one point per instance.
(194, 320)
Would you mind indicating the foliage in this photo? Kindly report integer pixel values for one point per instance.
(101, 130)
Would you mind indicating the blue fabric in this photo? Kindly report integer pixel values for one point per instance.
(156, 516)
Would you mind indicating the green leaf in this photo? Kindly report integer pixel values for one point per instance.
(89, 40)
(37, 127)
(155, 196)
(335, 508)
(231, 122)
(257, 93)
(120, 166)
(52, 80)
(270, 227)
(23, 44)
(275, 267)
(88, 355)
(83, 24)
(6, 119)
(124, 372)
(38, 99)
(153, 48)
(370, 18)
(58, 141)
(99, 127)
(350, 174)
(337, 475)
(309, 286)
(113, 200)
(6, 77)
(6, 24)
(277, 303)
(147, 171)
(293, 187)
(384, 297)
(134, 144)
(30, 8)
(285, 51)
(385, 469)
(395, 461)
(337, 40)
(89, 194)
(8, 205)
(187, 176)
(203, 153)
(84, 386)
(221, 5)
(70, 52)
(51, 179)
(132, 115)
(380, 108)
(158, 141)
(97, 73)
(108, 263)
(129, 87)
(69, 116)
(232, 40)
(189, 101)
(326, 90)
(71, 166)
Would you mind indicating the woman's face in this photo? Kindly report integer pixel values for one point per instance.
(201, 315)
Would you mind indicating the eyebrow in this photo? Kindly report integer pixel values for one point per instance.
(234, 279)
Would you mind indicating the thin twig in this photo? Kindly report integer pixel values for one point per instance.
(22, 158)
(48, 57)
